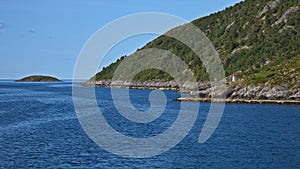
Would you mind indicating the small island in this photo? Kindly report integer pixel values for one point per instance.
(38, 78)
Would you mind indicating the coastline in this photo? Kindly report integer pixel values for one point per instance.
(249, 101)
(147, 85)
(203, 92)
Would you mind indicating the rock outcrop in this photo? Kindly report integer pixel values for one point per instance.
(259, 92)
(285, 16)
(207, 90)
(269, 6)
(152, 85)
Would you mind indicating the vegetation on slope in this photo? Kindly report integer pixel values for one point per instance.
(285, 74)
(38, 78)
(255, 37)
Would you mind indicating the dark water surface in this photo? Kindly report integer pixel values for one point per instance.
(39, 129)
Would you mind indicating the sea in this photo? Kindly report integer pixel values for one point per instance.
(39, 128)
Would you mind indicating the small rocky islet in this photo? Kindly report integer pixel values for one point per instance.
(38, 78)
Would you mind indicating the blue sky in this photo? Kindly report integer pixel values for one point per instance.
(45, 37)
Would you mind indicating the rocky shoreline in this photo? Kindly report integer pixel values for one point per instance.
(234, 92)
(252, 101)
(151, 85)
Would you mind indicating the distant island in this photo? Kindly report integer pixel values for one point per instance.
(38, 78)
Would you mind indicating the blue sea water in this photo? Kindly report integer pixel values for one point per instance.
(39, 129)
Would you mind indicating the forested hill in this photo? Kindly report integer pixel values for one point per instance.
(259, 38)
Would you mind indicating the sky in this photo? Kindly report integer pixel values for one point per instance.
(45, 37)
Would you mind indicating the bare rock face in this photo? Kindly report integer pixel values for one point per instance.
(269, 6)
(296, 96)
(208, 90)
(190, 86)
(244, 93)
(277, 93)
(262, 92)
(252, 91)
(171, 85)
(201, 93)
(285, 16)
